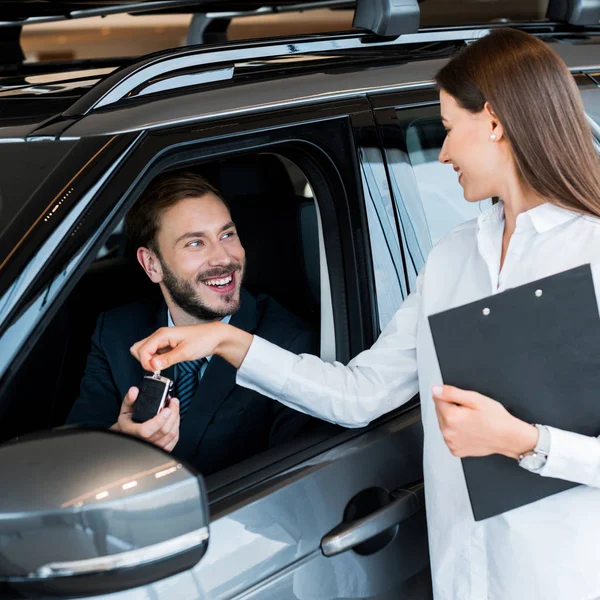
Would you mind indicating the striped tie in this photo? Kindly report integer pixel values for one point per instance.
(186, 382)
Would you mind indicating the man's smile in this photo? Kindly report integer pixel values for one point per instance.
(223, 284)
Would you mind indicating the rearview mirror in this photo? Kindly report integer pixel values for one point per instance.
(93, 512)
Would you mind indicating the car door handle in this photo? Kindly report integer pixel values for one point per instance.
(406, 502)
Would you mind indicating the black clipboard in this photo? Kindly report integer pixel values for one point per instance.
(536, 349)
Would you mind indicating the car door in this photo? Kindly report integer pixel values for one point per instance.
(293, 535)
(341, 515)
(343, 518)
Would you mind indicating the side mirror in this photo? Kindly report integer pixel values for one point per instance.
(93, 512)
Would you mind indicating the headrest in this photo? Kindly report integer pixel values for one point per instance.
(270, 220)
(256, 174)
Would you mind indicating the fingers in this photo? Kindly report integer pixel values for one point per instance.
(162, 430)
(166, 338)
(443, 410)
(174, 355)
(173, 426)
(454, 395)
(129, 400)
(446, 405)
(149, 428)
(171, 345)
(170, 426)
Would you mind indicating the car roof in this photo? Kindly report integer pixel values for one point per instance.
(195, 83)
(205, 83)
(38, 92)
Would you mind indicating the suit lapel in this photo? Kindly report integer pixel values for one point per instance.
(216, 384)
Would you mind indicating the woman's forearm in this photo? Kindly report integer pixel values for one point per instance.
(233, 344)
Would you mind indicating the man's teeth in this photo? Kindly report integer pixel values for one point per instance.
(224, 281)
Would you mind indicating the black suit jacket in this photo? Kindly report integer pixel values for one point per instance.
(225, 423)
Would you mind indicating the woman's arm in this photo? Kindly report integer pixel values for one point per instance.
(474, 425)
(374, 383)
(171, 345)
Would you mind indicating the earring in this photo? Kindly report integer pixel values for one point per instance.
(493, 137)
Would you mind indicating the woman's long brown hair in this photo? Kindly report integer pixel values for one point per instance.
(535, 98)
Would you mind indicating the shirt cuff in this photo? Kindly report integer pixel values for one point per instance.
(266, 368)
(573, 457)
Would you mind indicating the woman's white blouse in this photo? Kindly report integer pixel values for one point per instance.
(547, 550)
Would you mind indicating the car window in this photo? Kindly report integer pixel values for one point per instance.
(30, 164)
(429, 198)
(276, 210)
(390, 283)
(590, 94)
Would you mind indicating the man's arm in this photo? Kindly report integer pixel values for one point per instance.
(99, 401)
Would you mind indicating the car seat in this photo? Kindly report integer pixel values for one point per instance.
(278, 229)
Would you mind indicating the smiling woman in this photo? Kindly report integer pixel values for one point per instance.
(516, 128)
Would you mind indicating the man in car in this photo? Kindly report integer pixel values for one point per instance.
(188, 245)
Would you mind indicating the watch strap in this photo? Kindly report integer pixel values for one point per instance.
(543, 443)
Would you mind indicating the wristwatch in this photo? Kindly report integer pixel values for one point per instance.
(535, 459)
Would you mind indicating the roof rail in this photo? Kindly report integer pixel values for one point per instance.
(173, 69)
(84, 13)
(574, 12)
(387, 17)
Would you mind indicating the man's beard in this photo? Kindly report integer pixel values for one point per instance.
(186, 296)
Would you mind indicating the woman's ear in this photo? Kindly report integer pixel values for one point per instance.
(495, 127)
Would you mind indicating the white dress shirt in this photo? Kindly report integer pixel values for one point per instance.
(547, 550)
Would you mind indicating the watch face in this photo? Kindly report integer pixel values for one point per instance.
(533, 462)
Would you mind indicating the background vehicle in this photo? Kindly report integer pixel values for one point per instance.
(326, 147)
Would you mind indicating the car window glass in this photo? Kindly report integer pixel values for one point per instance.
(590, 94)
(26, 166)
(276, 214)
(390, 283)
(429, 198)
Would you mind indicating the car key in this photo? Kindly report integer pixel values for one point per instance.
(152, 397)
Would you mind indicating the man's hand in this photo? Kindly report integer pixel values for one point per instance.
(162, 430)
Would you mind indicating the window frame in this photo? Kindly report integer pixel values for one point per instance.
(394, 112)
(164, 150)
(377, 194)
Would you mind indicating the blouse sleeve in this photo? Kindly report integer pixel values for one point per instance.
(375, 382)
(573, 457)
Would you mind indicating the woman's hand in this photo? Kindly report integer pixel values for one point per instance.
(475, 425)
(171, 345)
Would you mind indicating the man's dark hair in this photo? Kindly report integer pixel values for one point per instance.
(166, 190)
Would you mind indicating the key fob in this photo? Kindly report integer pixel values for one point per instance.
(152, 397)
